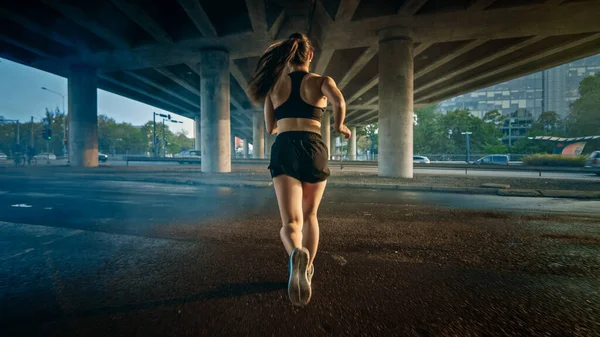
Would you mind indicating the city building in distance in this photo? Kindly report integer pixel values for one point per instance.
(549, 90)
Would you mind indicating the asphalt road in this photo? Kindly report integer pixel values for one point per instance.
(110, 258)
(373, 169)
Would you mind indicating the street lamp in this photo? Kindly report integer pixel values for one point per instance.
(468, 134)
(164, 144)
(65, 150)
(154, 140)
(115, 146)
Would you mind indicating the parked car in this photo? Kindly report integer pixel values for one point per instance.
(102, 157)
(495, 159)
(421, 160)
(3, 156)
(593, 162)
(189, 154)
(44, 155)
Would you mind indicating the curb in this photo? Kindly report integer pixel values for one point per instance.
(584, 195)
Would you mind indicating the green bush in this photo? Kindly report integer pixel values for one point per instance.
(554, 160)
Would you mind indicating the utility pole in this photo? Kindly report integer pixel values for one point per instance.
(510, 121)
(163, 140)
(32, 134)
(468, 134)
(18, 133)
(154, 134)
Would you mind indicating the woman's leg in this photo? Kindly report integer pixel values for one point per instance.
(311, 199)
(289, 198)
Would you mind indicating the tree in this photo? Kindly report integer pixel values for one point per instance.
(549, 123)
(371, 133)
(584, 117)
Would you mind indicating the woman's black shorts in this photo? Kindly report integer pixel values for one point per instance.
(301, 155)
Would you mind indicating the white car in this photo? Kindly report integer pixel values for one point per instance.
(593, 162)
(41, 156)
(421, 160)
(189, 154)
(3, 156)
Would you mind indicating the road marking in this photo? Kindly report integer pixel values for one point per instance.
(18, 254)
(72, 233)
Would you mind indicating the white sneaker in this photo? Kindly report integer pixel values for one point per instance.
(299, 289)
(310, 273)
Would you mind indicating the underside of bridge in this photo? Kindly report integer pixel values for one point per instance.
(156, 51)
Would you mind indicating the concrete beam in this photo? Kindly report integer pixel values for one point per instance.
(370, 84)
(358, 65)
(258, 17)
(276, 27)
(323, 61)
(482, 61)
(173, 77)
(522, 71)
(195, 104)
(198, 17)
(522, 61)
(421, 48)
(411, 7)
(566, 56)
(346, 10)
(141, 18)
(570, 18)
(366, 116)
(479, 5)
(449, 57)
(25, 46)
(78, 16)
(38, 29)
(146, 93)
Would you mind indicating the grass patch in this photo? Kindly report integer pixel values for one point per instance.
(554, 160)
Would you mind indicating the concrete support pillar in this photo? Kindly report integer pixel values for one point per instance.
(214, 107)
(396, 73)
(332, 148)
(245, 148)
(325, 131)
(83, 116)
(258, 135)
(198, 133)
(269, 140)
(233, 154)
(352, 144)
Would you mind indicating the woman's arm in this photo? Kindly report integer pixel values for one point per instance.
(333, 94)
(270, 121)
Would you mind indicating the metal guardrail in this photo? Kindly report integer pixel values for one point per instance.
(154, 159)
(442, 166)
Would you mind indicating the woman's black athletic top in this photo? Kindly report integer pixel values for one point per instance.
(295, 106)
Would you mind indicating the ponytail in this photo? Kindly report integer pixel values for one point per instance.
(272, 63)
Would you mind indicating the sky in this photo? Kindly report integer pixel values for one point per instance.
(21, 96)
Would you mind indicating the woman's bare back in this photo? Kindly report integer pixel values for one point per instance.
(310, 92)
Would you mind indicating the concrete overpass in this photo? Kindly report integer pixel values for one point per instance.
(194, 57)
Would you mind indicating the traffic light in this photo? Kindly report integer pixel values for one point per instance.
(47, 134)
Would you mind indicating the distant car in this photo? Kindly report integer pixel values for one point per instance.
(192, 156)
(44, 155)
(189, 154)
(3, 156)
(421, 160)
(495, 159)
(593, 162)
(102, 157)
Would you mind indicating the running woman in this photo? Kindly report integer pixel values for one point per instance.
(294, 103)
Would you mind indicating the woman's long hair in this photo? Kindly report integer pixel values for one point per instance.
(295, 50)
